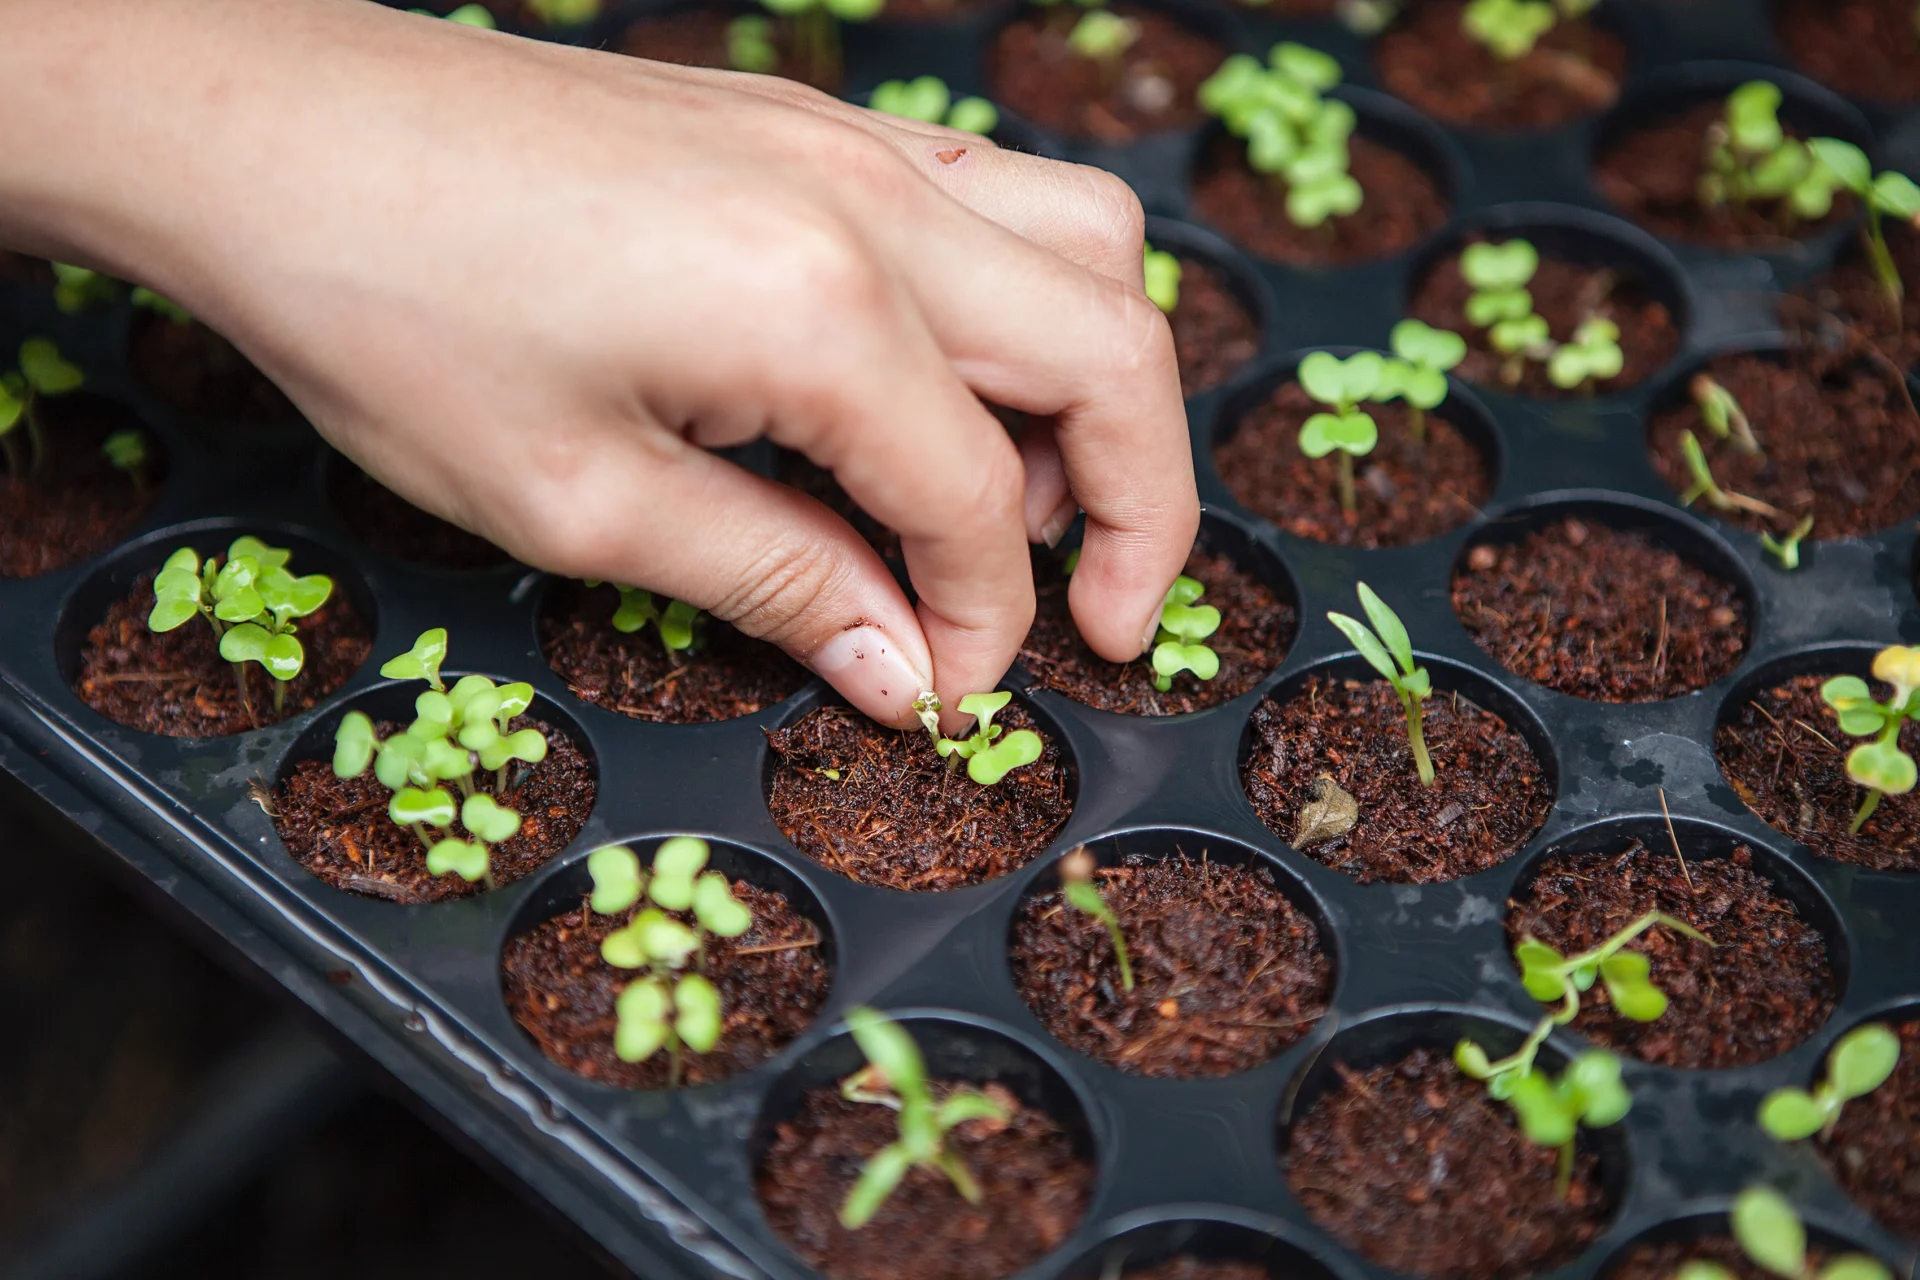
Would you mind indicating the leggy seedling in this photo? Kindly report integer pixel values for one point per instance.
(1749, 157)
(1389, 650)
(251, 601)
(1419, 373)
(1502, 304)
(1346, 429)
(43, 374)
(927, 98)
(1880, 765)
(1079, 892)
(989, 756)
(1510, 28)
(1549, 976)
(1162, 273)
(1860, 1062)
(1550, 1112)
(1890, 194)
(1294, 135)
(1774, 1239)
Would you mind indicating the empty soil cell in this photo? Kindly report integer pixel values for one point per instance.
(1874, 1151)
(1784, 755)
(1227, 972)
(1847, 311)
(195, 371)
(1188, 1267)
(1842, 447)
(772, 981)
(1256, 626)
(1764, 986)
(79, 505)
(338, 828)
(1428, 59)
(817, 482)
(176, 683)
(1413, 1167)
(697, 37)
(1490, 792)
(1663, 1260)
(897, 815)
(1600, 613)
(1402, 205)
(1034, 1189)
(393, 526)
(1214, 334)
(1405, 491)
(1564, 294)
(1652, 174)
(1035, 72)
(728, 675)
(1863, 48)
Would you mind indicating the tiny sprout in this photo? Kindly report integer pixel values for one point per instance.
(1592, 356)
(1705, 486)
(1162, 278)
(1549, 976)
(1880, 765)
(76, 288)
(1722, 413)
(1382, 647)
(43, 373)
(896, 1076)
(1184, 623)
(564, 13)
(1420, 375)
(1787, 549)
(1080, 893)
(927, 98)
(1348, 430)
(1502, 304)
(422, 661)
(1859, 1063)
(1509, 28)
(1890, 193)
(250, 601)
(161, 305)
(1293, 134)
(677, 624)
(1103, 35)
(1550, 1112)
(750, 45)
(467, 15)
(1750, 157)
(127, 451)
(1772, 1236)
(989, 757)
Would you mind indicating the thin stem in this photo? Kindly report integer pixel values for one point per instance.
(1348, 503)
(1417, 737)
(279, 696)
(11, 448)
(673, 1060)
(1417, 425)
(950, 1163)
(1522, 1058)
(1563, 1179)
(1883, 264)
(1120, 950)
(1865, 811)
(36, 438)
(419, 829)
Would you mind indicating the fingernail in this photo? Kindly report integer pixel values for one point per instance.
(1153, 627)
(866, 665)
(1056, 526)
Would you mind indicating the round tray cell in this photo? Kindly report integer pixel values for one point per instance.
(1606, 599)
(1192, 1248)
(1781, 750)
(1337, 727)
(196, 372)
(1408, 1163)
(897, 815)
(1037, 1174)
(1863, 48)
(1590, 268)
(1873, 1151)
(341, 832)
(1769, 982)
(1406, 489)
(176, 683)
(773, 980)
(392, 526)
(1231, 956)
(78, 505)
(1658, 1253)
(1224, 309)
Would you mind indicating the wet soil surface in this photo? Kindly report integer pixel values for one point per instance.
(1412, 1166)
(1428, 59)
(1600, 613)
(338, 828)
(176, 683)
(1227, 972)
(697, 37)
(1405, 490)
(897, 815)
(1863, 48)
(1847, 311)
(1214, 334)
(1784, 755)
(1256, 627)
(195, 371)
(1490, 792)
(1874, 1152)
(1187, 1267)
(80, 505)
(817, 482)
(772, 981)
(1034, 1186)
(393, 526)
(1035, 72)
(1663, 1261)
(1762, 988)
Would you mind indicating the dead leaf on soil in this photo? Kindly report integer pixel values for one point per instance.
(1331, 812)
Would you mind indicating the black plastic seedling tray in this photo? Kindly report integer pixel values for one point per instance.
(665, 1179)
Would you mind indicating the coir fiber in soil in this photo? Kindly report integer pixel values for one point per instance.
(1663, 1261)
(1405, 491)
(697, 37)
(1402, 205)
(1874, 1152)
(193, 370)
(897, 815)
(1428, 59)
(1034, 71)
(338, 828)
(1762, 988)
(1600, 613)
(1412, 1166)
(635, 674)
(1213, 332)
(772, 980)
(818, 483)
(1863, 48)
(80, 505)
(1564, 295)
(176, 683)
(1188, 1267)
(1784, 755)
(1490, 792)
(1227, 972)
(1034, 1186)
(1256, 627)
(1847, 310)
(393, 526)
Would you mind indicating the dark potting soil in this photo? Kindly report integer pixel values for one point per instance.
(1412, 1166)
(1429, 59)
(1490, 792)
(1035, 72)
(25, 271)
(1188, 1267)
(1564, 294)
(1785, 757)
(772, 981)
(1600, 613)
(635, 674)
(393, 526)
(1653, 175)
(1663, 1261)
(1874, 1152)
(897, 815)
(817, 482)
(1405, 491)
(1213, 332)
(1227, 972)
(1034, 1187)
(1863, 48)
(1847, 310)
(80, 505)
(697, 37)
(176, 683)
(1256, 627)
(195, 371)
(1402, 205)
(1762, 988)
(338, 828)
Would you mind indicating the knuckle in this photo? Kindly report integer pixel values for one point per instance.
(781, 588)
(1143, 340)
(1111, 214)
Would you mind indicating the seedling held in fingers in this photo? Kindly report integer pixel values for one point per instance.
(1879, 765)
(1345, 429)
(1162, 279)
(1860, 1062)
(989, 756)
(928, 98)
(1890, 194)
(1774, 1239)
(42, 374)
(251, 601)
(1184, 624)
(1424, 355)
(1389, 650)
(1080, 893)
(1294, 135)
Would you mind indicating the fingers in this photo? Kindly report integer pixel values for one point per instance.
(1049, 507)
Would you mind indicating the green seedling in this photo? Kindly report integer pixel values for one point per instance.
(1294, 136)
(1162, 278)
(928, 99)
(816, 31)
(1592, 356)
(1749, 158)
(1550, 1112)
(989, 756)
(76, 288)
(1549, 976)
(678, 623)
(1419, 373)
(1774, 1239)
(1184, 624)
(127, 451)
(1722, 413)
(42, 374)
(1349, 431)
(1705, 486)
(750, 44)
(250, 600)
(1786, 549)
(896, 1076)
(564, 13)
(1879, 765)
(164, 307)
(1105, 37)
(1079, 892)
(1389, 650)
(467, 15)
(1510, 28)
(1890, 194)
(1502, 304)
(1860, 1062)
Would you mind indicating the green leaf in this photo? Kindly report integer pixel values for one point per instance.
(750, 44)
(1769, 1231)
(1544, 1115)
(11, 407)
(458, 857)
(486, 819)
(422, 662)
(125, 450)
(615, 871)
(696, 1018)
(1170, 658)
(1513, 336)
(399, 758)
(1318, 71)
(1427, 347)
(410, 805)
(925, 98)
(1387, 625)
(676, 625)
(878, 1179)
(354, 743)
(1507, 266)
(715, 907)
(1752, 117)
(890, 1050)
(1792, 1114)
(1862, 1061)
(1846, 162)
(1491, 306)
(1189, 622)
(473, 15)
(525, 745)
(288, 597)
(652, 938)
(432, 716)
(1017, 750)
(676, 863)
(974, 115)
(642, 1028)
(1103, 35)
(1882, 765)
(635, 610)
(161, 305)
(176, 591)
(983, 707)
(1640, 1001)
(1237, 81)
(1703, 1271)
(1855, 1266)
(1591, 1083)
(854, 10)
(1312, 202)
(1353, 433)
(46, 371)
(264, 556)
(1896, 194)
(967, 1104)
(442, 760)
(281, 654)
(1162, 279)
(1367, 643)
(1185, 591)
(1472, 1060)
